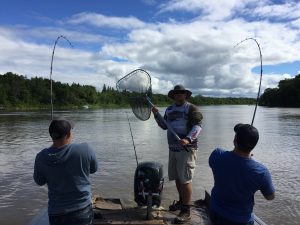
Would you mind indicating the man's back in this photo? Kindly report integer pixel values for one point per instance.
(65, 170)
(236, 180)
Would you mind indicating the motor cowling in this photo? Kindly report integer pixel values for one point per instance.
(148, 180)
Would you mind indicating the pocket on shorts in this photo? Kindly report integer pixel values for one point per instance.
(190, 170)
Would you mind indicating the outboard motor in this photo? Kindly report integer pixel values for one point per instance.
(148, 185)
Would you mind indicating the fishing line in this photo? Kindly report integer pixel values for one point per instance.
(61, 36)
(137, 163)
(138, 83)
(134, 148)
(261, 70)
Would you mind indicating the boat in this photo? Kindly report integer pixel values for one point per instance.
(113, 211)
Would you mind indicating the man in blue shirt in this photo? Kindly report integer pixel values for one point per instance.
(237, 177)
(65, 168)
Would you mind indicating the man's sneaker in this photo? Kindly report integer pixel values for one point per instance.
(184, 215)
(175, 206)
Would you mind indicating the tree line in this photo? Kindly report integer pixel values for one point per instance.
(287, 94)
(19, 92)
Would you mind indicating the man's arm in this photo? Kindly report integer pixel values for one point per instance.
(194, 121)
(37, 174)
(160, 121)
(93, 162)
(195, 116)
(211, 158)
(267, 188)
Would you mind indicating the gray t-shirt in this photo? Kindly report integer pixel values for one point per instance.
(66, 171)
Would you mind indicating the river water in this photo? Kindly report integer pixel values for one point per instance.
(24, 134)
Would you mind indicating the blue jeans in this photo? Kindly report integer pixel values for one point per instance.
(216, 219)
(83, 216)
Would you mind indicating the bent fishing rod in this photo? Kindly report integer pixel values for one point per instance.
(261, 70)
(51, 66)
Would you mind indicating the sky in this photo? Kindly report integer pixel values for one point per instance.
(196, 43)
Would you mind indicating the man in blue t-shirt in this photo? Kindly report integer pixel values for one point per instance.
(237, 177)
(65, 168)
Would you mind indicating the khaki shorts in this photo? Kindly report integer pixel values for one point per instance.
(182, 165)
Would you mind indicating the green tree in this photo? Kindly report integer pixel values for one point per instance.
(286, 95)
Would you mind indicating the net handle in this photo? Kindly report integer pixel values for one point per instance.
(170, 128)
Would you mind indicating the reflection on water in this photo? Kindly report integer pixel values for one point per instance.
(22, 135)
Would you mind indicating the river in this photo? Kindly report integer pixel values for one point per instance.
(24, 134)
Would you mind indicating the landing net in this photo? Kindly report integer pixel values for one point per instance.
(138, 85)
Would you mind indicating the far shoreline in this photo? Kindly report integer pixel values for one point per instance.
(90, 107)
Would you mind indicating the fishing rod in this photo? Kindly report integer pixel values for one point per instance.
(261, 70)
(61, 36)
(137, 163)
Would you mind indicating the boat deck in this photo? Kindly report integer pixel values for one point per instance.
(112, 211)
(116, 214)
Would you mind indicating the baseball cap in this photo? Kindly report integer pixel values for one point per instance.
(246, 136)
(60, 127)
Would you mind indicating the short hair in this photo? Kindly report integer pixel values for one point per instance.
(246, 137)
(60, 127)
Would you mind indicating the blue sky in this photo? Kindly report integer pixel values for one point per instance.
(176, 41)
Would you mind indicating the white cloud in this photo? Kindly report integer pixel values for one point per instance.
(288, 10)
(296, 23)
(225, 9)
(76, 36)
(212, 10)
(69, 65)
(199, 54)
(100, 20)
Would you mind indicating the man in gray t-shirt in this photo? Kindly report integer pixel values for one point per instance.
(65, 168)
(185, 119)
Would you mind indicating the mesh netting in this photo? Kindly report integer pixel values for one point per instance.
(138, 83)
(140, 107)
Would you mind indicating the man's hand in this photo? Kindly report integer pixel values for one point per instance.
(154, 109)
(270, 197)
(184, 141)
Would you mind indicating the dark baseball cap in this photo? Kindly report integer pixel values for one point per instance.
(246, 136)
(60, 127)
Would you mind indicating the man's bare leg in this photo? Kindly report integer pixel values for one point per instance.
(178, 186)
(186, 191)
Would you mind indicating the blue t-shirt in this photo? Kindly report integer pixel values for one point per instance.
(66, 171)
(236, 181)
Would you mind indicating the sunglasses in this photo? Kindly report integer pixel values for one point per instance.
(179, 92)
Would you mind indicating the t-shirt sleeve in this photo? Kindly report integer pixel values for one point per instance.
(37, 174)
(267, 187)
(195, 116)
(212, 158)
(93, 162)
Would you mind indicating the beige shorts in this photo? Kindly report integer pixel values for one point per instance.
(182, 165)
